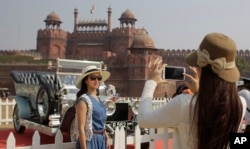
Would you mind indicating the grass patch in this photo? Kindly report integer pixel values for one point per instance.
(7, 59)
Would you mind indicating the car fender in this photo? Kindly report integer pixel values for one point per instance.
(67, 118)
(24, 106)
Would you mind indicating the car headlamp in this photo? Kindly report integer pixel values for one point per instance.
(110, 107)
(134, 107)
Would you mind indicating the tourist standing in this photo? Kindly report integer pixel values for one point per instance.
(90, 111)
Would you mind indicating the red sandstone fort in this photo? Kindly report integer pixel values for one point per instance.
(127, 51)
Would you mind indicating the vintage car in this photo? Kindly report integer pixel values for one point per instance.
(45, 100)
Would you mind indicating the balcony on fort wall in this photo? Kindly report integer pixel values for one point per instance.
(92, 27)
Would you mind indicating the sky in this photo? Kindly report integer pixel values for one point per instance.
(172, 24)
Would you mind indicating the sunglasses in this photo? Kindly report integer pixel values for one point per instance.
(93, 78)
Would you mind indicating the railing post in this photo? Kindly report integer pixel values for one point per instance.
(166, 135)
(117, 138)
(11, 141)
(58, 140)
(120, 138)
(137, 137)
(123, 137)
(36, 141)
(151, 137)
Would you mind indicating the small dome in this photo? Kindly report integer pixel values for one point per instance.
(127, 15)
(53, 17)
(142, 40)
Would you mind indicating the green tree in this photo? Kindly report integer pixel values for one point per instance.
(8, 59)
(240, 63)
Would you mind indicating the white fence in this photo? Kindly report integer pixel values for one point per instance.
(120, 139)
(6, 109)
(59, 144)
(154, 136)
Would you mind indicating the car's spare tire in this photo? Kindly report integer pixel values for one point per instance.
(44, 104)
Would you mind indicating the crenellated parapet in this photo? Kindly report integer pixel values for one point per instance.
(243, 53)
(52, 33)
(175, 52)
(184, 52)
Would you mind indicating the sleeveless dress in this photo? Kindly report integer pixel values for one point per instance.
(98, 141)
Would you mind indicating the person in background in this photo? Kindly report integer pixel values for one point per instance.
(204, 120)
(90, 111)
(182, 89)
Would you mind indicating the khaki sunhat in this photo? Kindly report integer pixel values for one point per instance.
(219, 51)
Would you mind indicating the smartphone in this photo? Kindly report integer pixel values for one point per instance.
(174, 73)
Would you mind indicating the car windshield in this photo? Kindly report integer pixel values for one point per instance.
(68, 70)
(68, 79)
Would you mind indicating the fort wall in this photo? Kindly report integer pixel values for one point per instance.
(124, 70)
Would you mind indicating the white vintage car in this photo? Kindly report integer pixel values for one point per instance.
(45, 100)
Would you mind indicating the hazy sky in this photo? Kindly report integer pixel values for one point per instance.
(172, 24)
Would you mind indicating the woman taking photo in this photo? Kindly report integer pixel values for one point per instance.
(206, 119)
(90, 111)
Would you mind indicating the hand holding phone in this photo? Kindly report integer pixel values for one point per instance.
(173, 73)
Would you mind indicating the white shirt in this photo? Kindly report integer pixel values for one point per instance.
(173, 114)
(246, 94)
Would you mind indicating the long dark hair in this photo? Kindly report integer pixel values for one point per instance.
(217, 111)
(84, 88)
